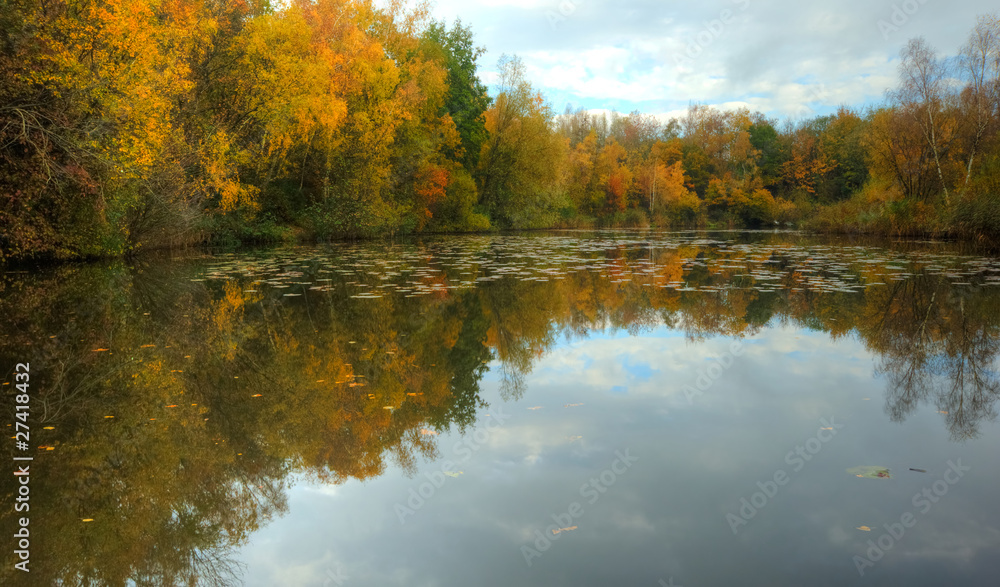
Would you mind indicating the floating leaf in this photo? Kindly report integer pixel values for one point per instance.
(864, 528)
(453, 474)
(427, 432)
(870, 472)
(564, 529)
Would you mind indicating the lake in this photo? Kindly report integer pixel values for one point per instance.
(561, 408)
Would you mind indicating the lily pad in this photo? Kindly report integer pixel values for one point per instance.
(870, 472)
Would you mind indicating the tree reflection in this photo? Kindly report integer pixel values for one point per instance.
(937, 343)
(179, 407)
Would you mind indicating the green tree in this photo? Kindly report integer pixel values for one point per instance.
(467, 98)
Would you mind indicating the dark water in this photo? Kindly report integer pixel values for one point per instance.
(559, 409)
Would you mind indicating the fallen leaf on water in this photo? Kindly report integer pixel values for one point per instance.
(173, 406)
(572, 405)
(940, 412)
(427, 432)
(453, 474)
(87, 520)
(100, 350)
(148, 346)
(826, 428)
(564, 529)
(49, 428)
(870, 472)
(864, 528)
(257, 395)
(918, 470)
(536, 408)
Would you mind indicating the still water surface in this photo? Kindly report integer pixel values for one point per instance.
(550, 409)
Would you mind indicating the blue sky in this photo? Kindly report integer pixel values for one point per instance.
(786, 58)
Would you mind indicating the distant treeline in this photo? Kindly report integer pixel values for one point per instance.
(129, 124)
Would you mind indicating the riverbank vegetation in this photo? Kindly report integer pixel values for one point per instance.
(138, 124)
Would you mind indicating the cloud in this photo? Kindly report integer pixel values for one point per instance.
(785, 58)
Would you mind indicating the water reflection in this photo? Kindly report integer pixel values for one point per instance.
(180, 399)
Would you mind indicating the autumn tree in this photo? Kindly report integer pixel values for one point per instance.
(980, 59)
(922, 95)
(520, 160)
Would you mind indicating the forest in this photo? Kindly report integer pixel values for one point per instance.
(130, 125)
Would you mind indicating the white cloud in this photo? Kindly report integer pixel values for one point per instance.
(786, 58)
